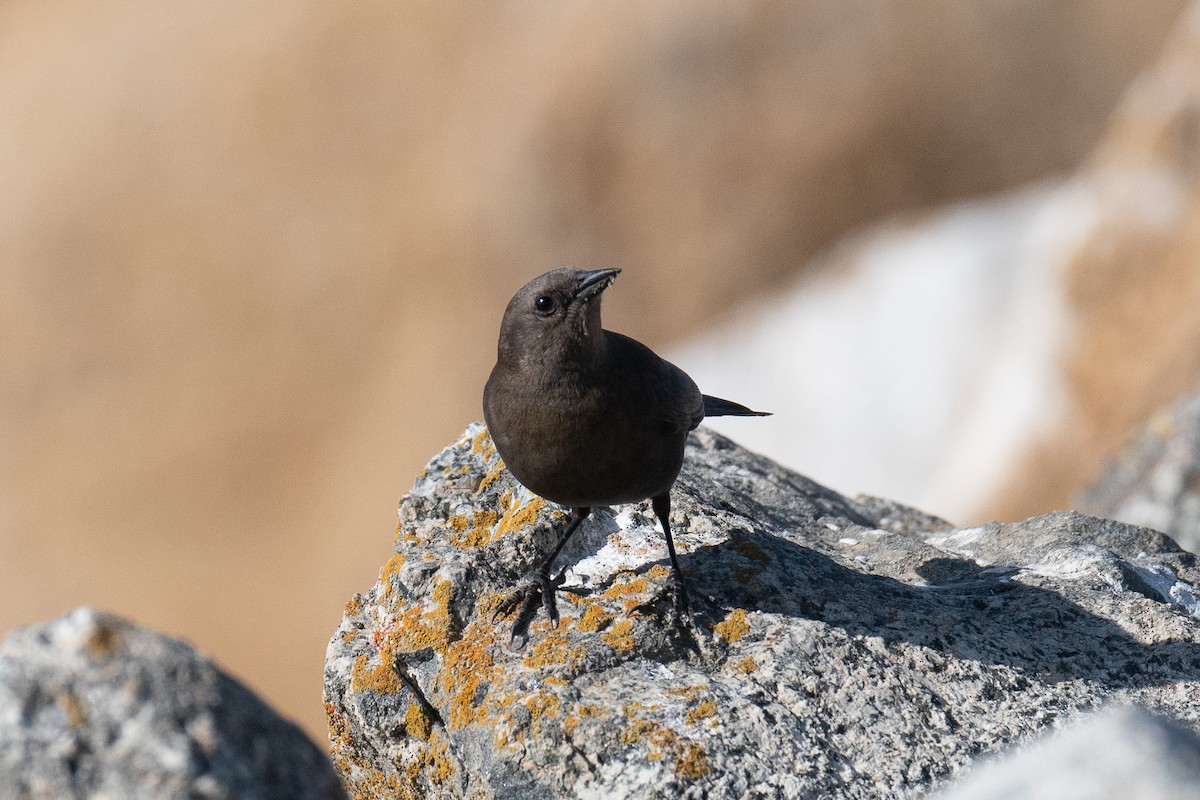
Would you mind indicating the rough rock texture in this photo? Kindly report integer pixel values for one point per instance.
(93, 706)
(1156, 481)
(1115, 755)
(843, 648)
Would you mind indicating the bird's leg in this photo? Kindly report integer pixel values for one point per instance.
(662, 510)
(539, 585)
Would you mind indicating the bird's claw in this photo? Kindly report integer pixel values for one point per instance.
(536, 589)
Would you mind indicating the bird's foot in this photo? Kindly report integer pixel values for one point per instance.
(537, 588)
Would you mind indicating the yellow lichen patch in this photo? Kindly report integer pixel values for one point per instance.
(594, 618)
(691, 762)
(492, 476)
(690, 692)
(554, 680)
(486, 608)
(436, 763)
(354, 606)
(574, 598)
(420, 628)
(416, 723)
(552, 648)
(746, 665)
(658, 571)
(588, 711)
(636, 586)
(518, 516)
(703, 711)
(475, 533)
(382, 678)
(466, 670)
(637, 731)
(749, 549)
(570, 723)
(543, 704)
(482, 443)
(619, 636)
(733, 627)
(390, 570)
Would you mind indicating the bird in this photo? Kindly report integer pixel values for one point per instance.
(586, 417)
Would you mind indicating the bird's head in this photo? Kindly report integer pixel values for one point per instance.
(555, 316)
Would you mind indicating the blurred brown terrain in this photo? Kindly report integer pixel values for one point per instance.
(253, 255)
(1132, 285)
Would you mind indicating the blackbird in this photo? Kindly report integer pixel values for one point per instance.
(586, 417)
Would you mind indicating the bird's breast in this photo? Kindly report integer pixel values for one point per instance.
(580, 444)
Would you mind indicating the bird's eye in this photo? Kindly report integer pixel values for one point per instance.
(544, 304)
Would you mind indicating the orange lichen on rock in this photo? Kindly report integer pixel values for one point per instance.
(467, 668)
(658, 571)
(493, 474)
(474, 533)
(619, 636)
(419, 628)
(690, 692)
(518, 516)
(701, 712)
(746, 665)
(390, 570)
(482, 443)
(434, 761)
(635, 586)
(543, 704)
(417, 723)
(733, 627)
(745, 575)
(382, 678)
(595, 618)
(551, 649)
(749, 549)
(691, 761)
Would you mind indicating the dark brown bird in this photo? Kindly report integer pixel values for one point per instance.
(586, 417)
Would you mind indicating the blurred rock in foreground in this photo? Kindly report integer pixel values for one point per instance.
(1117, 755)
(846, 648)
(93, 706)
(1156, 481)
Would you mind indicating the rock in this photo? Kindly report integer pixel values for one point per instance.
(1156, 481)
(94, 706)
(1122, 753)
(845, 648)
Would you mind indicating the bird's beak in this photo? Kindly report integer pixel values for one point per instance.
(594, 282)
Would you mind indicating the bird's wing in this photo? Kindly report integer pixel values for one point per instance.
(667, 390)
(687, 408)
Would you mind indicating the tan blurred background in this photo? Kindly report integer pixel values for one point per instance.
(253, 255)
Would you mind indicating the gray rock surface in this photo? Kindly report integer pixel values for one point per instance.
(93, 706)
(1119, 754)
(846, 648)
(1156, 481)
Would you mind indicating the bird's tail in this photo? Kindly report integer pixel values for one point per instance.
(716, 407)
